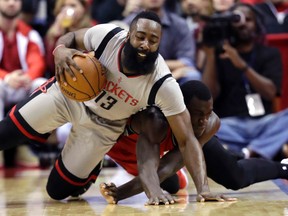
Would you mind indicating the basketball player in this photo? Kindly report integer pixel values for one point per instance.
(222, 166)
(137, 76)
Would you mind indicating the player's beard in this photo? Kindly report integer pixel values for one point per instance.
(132, 63)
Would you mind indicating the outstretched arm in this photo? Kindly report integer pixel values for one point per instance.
(151, 125)
(148, 152)
(192, 154)
(169, 164)
(152, 130)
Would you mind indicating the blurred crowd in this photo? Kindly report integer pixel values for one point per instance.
(223, 43)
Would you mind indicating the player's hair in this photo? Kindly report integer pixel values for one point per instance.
(145, 15)
(195, 88)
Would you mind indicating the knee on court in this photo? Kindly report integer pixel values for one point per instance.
(59, 188)
(62, 183)
(56, 187)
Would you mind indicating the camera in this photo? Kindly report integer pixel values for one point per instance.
(218, 28)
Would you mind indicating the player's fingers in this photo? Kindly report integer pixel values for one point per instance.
(164, 200)
(73, 63)
(229, 199)
(107, 186)
(111, 184)
(69, 70)
(57, 76)
(167, 199)
(170, 199)
(102, 185)
(209, 197)
(218, 198)
(111, 187)
(60, 76)
(153, 201)
(81, 54)
(108, 195)
(200, 198)
(105, 189)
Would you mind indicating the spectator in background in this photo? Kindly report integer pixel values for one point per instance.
(22, 63)
(70, 15)
(110, 10)
(193, 11)
(221, 6)
(29, 10)
(177, 44)
(172, 5)
(244, 78)
(275, 14)
(37, 14)
(196, 14)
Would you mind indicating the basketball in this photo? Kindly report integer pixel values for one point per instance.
(89, 83)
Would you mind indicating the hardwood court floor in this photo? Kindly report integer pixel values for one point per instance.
(23, 193)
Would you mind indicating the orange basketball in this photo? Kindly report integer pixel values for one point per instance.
(89, 83)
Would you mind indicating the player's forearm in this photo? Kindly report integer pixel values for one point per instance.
(149, 177)
(148, 153)
(129, 189)
(170, 163)
(68, 40)
(194, 161)
(73, 39)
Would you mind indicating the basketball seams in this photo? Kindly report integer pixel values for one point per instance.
(89, 83)
(87, 79)
(79, 91)
(96, 64)
(76, 90)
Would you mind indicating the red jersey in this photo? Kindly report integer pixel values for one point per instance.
(124, 151)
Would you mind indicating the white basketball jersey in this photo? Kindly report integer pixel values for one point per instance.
(125, 95)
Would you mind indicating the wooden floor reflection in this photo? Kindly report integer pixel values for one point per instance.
(23, 193)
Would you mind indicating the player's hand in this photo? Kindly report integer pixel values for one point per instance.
(160, 198)
(207, 196)
(109, 192)
(63, 58)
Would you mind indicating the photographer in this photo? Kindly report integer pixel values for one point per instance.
(244, 78)
(218, 28)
